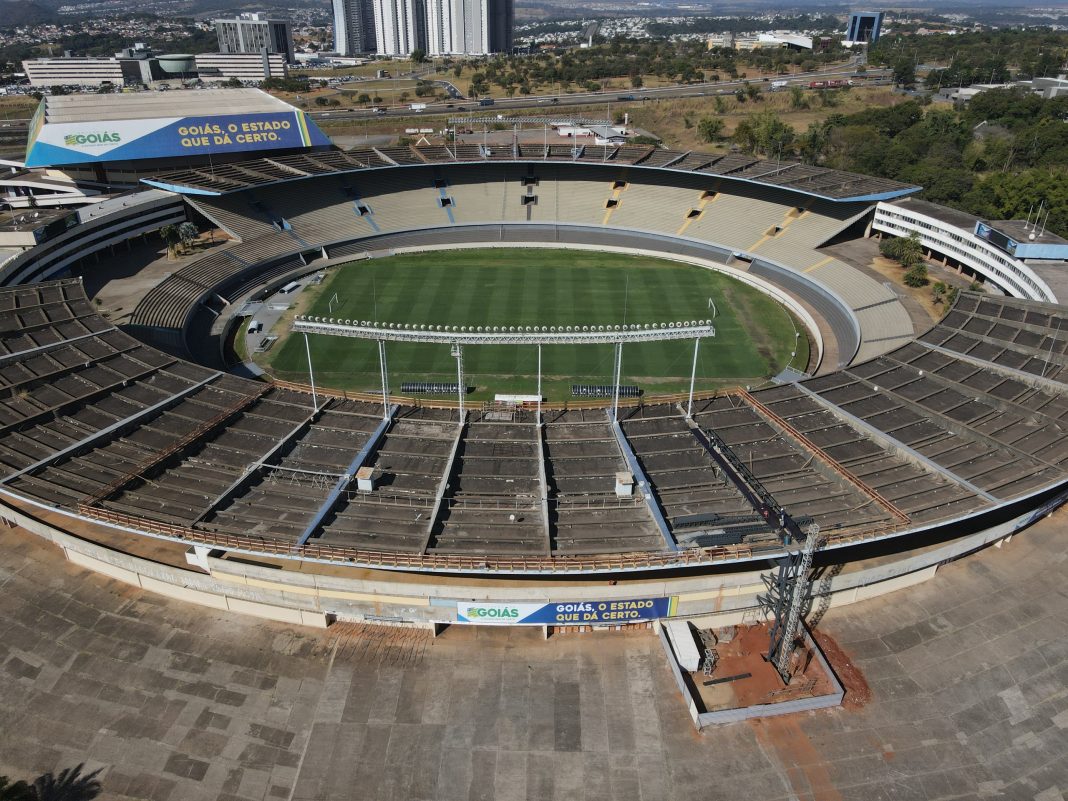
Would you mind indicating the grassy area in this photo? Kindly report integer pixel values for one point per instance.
(754, 335)
(672, 119)
(675, 120)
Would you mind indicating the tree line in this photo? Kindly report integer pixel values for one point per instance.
(997, 158)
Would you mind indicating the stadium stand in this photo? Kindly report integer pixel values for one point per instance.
(688, 197)
(967, 419)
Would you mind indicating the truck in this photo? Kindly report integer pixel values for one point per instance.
(832, 84)
(778, 84)
(418, 107)
(486, 101)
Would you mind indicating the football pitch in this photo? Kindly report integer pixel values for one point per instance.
(754, 335)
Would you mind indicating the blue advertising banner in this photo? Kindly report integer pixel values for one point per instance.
(125, 140)
(579, 613)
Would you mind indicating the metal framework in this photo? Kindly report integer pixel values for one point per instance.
(505, 335)
(788, 590)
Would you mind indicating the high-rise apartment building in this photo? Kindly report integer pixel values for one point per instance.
(400, 26)
(255, 33)
(354, 27)
(469, 27)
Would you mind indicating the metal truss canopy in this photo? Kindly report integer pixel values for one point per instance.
(512, 335)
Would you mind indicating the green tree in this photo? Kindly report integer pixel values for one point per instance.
(916, 276)
(170, 238)
(187, 234)
(765, 134)
(710, 129)
(418, 56)
(798, 100)
(636, 81)
(906, 250)
(904, 71)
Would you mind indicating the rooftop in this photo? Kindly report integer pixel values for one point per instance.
(31, 219)
(960, 219)
(1022, 231)
(816, 181)
(154, 105)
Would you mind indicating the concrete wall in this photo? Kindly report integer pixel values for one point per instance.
(311, 598)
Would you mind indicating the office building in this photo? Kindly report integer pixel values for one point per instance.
(255, 33)
(864, 27)
(246, 67)
(354, 27)
(69, 71)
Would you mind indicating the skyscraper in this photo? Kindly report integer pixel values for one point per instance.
(400, 26)
(354, 27)
(469, 27)
(255, 33)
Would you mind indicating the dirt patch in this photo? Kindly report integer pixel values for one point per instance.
(745, 655)
(894, 273)
(857, 691)
(802, 762)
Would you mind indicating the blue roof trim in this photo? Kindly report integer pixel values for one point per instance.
(870, 198)
(181, 190)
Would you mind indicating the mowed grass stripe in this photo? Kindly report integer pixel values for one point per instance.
(513, 287)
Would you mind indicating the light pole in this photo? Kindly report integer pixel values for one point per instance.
(693, 375)
(385, 377)
(311, 373)
(458, 352)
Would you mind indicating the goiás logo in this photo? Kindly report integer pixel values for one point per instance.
(492, 613)
(93, 139)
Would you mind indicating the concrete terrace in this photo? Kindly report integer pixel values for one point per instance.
(182, 702)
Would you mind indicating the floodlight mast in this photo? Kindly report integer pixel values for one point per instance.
(539, 385)
(615, 382)
(458, 352)
(693, 377)
(311, 373)
(385, 377)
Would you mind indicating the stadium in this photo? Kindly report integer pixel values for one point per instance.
(140, 453)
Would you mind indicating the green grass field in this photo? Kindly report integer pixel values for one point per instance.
(754, 334)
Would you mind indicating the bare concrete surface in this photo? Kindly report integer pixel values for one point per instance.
(968, 673)
(119, 279)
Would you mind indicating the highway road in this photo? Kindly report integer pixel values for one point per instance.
(546, 102)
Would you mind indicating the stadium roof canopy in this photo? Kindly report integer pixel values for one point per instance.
(816, 181)
(80, 129)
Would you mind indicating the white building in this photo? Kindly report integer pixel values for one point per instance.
(69, 71)
(354, 27)
(469, 27)
(952, 235)
(400, 26)
(246, 67)
(254, 33)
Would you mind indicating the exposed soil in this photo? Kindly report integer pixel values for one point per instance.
(857, 691)
(745, 654)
